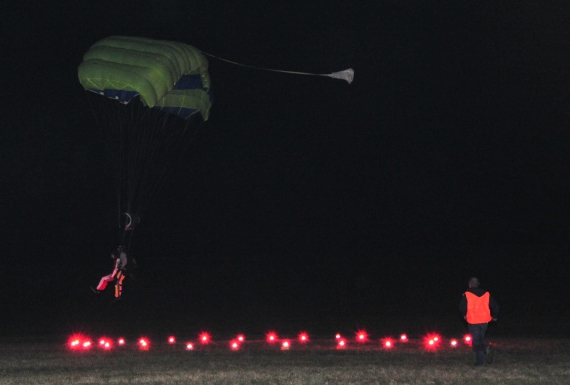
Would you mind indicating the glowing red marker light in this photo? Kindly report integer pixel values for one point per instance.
(171, 340)
(338, 336)
(234, 345)
(431, 341)
(341, 343)
(387, 343)
(204, 338)
(467, 339)
(303, 337)
(77, 341)
(105, 343)
(144, 344)
(285, 345)
(121, 341)
(271, 337)
(453, 343)
(404, 338)
(189, 346)
(240, 337)
(362, 336)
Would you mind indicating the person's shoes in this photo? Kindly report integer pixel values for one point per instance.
(489, 353)
(95, 290)
(479, 358)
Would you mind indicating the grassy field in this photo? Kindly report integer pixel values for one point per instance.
(517, 361)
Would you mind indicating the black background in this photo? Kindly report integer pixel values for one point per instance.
(304, 202)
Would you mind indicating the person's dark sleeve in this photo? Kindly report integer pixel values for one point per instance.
(463, 306)
(494, 308)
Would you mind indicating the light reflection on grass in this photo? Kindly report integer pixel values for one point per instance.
(518, 361)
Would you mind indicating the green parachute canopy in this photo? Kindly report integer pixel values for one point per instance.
(167, 75)
(149, 98)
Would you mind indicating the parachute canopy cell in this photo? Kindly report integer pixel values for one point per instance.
(167, 75)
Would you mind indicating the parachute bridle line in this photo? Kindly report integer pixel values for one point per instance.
(347, 74)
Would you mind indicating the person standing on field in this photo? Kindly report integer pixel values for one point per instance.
(478, 308)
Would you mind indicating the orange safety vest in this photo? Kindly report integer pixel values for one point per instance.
(478, 311)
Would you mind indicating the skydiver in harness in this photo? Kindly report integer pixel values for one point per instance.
(118, 274)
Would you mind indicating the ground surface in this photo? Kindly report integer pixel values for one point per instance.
(517, 361)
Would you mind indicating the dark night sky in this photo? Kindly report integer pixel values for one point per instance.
(303, 201)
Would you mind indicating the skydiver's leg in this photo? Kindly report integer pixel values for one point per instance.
(119, 284)
(103, 283)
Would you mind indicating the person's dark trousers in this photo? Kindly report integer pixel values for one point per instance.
(477, 332)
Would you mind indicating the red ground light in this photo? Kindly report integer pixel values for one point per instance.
(204, 338)
(121, 341)
(341, 343)
(285, 345)
(171, 340)
(271, 337)
(453, 343)
(404, 338)
(467, 339)
(387, 343)
(105, 343)
(189, 346)
(240, 338)
(144, 343)
(361, 336)
(234, 345)
(79, 342)
(432, 341)
(303, 337)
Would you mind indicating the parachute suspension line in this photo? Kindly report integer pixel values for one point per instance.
(123, 135)
(147, 152)
(105, 117)
(137, 157)
(347, 74)
(176, 140)
(147, 142)
(136, 140)
(154, 155)
(142, 143)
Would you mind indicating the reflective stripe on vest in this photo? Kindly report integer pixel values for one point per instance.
(478, 311)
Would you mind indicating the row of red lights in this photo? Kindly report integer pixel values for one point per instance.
(431, 341)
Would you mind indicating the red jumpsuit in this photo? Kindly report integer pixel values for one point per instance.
(117, 276)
